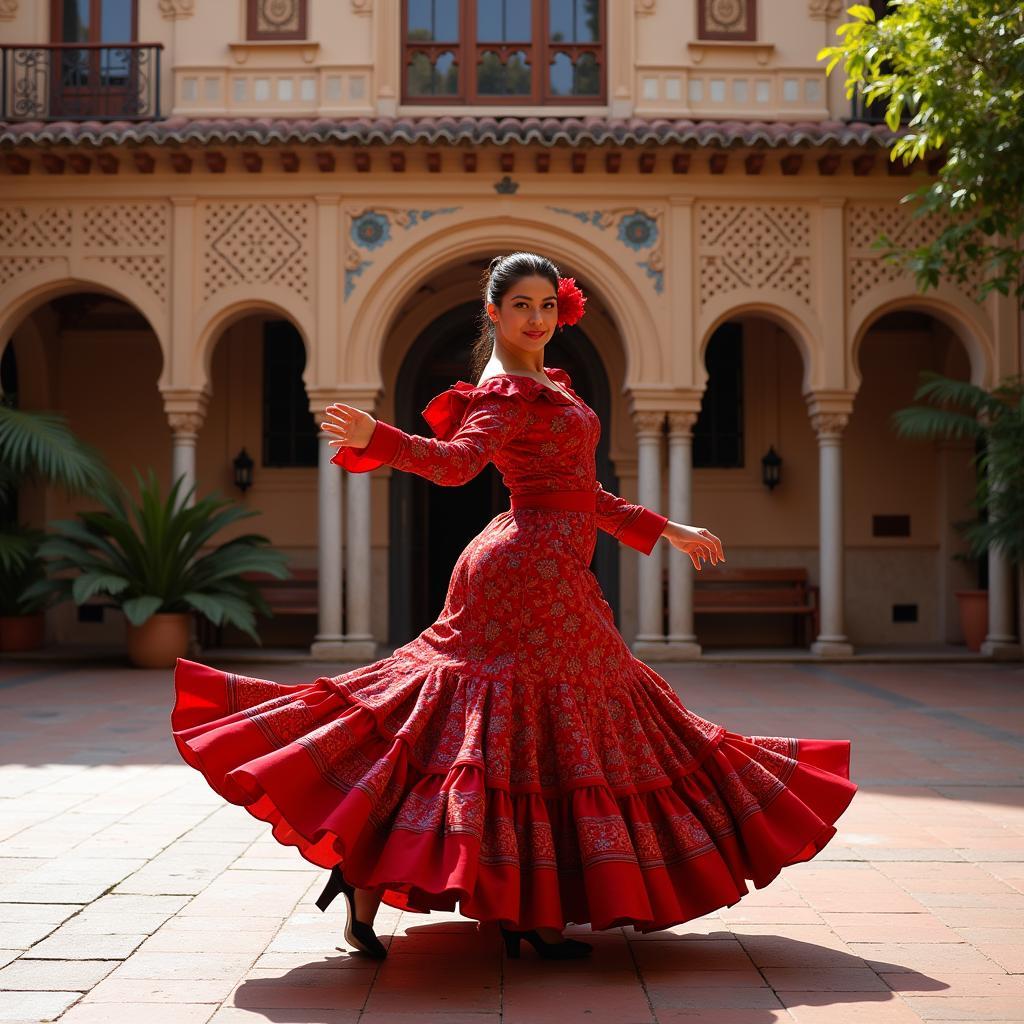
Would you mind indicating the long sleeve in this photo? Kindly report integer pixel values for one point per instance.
(489, 422)
(634, 525)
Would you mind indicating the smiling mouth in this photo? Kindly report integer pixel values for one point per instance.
(535, 334)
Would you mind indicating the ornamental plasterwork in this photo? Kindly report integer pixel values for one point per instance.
(826, 8)
(257, 243)
(867, 268)
(637, 229)
(754, 246)
(370, 228)
(129, 237)
(172, 9)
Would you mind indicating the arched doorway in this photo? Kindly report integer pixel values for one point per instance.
(259, 405)
(95, 359)
(903, 496)
(430, 525)
(752, 403)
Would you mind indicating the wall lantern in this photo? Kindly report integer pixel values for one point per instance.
(771, 468)
(243, 470)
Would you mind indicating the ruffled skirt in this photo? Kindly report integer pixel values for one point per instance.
(515, 760)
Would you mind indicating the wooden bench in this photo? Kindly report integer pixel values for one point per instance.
(776, 591)
(298, 595)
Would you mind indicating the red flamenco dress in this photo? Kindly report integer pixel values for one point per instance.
(515, 758)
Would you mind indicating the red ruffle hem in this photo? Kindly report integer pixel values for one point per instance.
(347, 781)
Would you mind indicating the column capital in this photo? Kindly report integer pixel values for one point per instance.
(185, 409)
(648, 422)
(829, 424)
(829, 410)
(681, 424)
(185, 424)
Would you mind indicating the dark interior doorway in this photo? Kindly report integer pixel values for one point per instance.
(429, 524)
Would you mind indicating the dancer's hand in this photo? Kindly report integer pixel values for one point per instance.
(695, 541)
(348, 426)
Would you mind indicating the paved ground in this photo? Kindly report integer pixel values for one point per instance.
(130, 892)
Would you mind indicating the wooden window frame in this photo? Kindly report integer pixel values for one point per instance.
(749, 36)
(252, 36)
(95, 17)
(539, 53)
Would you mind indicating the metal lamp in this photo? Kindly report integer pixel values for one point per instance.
(243, 464)
(771, 468)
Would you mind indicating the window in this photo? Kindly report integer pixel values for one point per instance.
(289, 430)
(728, 20)
(502, 51)
(276, 19)
(718, 432)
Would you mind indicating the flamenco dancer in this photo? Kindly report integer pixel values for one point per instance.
(515, 757)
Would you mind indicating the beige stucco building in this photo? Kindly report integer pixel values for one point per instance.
(263, 206)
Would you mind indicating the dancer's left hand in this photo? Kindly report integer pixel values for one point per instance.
(695, 541)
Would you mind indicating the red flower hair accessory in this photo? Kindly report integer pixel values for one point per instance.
(570, 301)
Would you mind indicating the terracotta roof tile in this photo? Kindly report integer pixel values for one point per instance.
(545, 131)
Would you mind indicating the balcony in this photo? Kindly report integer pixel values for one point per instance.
(80, 82)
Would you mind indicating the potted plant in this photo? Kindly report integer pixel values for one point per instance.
(995, 421)
(149, 558)
(35, 447)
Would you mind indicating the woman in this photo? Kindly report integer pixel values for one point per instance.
(514, 757)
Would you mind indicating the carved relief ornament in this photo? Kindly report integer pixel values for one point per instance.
(172, 9)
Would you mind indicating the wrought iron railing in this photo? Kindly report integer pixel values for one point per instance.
(80, 82)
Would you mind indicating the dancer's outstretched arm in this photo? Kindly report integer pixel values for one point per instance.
(364, 443)
(640, 528)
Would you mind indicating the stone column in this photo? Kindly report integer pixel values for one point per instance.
(829, 427)
(328, 641)
(1001, 641)
(682, 641)
(650, 637)
(358, 642)
(186, 411)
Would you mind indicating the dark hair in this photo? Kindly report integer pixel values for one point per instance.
(502, 273)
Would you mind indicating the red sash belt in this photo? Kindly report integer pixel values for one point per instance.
(572, 501)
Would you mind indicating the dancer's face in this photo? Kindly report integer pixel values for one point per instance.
(527, 315)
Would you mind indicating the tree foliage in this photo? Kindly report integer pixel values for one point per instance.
(957, 68)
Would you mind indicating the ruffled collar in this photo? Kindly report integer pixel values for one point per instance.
(444, 411)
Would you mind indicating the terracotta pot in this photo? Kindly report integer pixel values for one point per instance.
(973, 616)
(21, 632)
(159, 641)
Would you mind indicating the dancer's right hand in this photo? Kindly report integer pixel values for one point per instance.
(348, 426)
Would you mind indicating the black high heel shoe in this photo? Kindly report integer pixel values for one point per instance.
(567, 949)
(357, 934)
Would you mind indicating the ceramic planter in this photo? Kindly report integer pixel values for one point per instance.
(21, 632)
(973, 616)
(160, 640)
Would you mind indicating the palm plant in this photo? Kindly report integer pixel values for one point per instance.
(147, 557)
(996, 420)
(36, 447)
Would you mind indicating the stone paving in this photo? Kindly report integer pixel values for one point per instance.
(129, 892)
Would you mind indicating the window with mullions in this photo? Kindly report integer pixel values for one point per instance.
(491, 51)
(718, 432)
(289, 430)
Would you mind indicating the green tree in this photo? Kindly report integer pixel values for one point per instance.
(957, 68)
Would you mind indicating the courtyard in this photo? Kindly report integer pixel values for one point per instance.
(130, 892)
